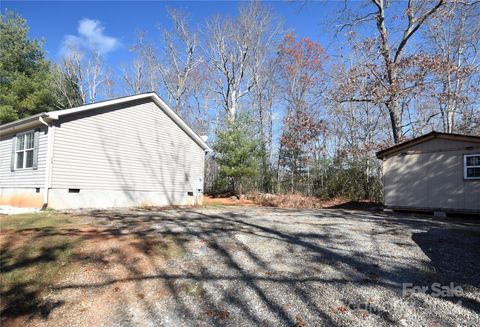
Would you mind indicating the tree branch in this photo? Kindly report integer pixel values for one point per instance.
(411, 29)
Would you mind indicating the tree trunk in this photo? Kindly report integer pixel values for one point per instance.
(393, 111)
(450, 120)
(233, 107)
(291, 183)
(266, 180)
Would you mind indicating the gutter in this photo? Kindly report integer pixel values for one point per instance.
(48, 169)
(23, 124)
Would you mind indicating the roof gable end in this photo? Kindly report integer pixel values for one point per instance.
(425, 138)
(54, 115)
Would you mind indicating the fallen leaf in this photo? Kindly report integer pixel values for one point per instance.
(300, 322)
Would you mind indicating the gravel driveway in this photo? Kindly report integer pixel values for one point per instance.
(250, 266)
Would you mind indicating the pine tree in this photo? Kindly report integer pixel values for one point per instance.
(26, 77)
(237, 152)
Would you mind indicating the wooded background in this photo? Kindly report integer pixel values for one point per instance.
(283, 114)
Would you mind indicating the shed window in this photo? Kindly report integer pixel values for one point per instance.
(24, 149)
(472, 166)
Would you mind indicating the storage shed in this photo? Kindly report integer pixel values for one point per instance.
(123, 152)
(433, 172)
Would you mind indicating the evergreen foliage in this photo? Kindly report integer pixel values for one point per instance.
(237, 152)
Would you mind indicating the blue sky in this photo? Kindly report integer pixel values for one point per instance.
(116, 23)
(56, 21)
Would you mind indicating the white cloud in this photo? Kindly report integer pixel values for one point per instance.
(90, 36)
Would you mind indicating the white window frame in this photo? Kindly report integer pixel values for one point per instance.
(465, 156)
(24, 150)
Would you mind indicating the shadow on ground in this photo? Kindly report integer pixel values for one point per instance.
(454, 256)
(270, 266)
(357, 205)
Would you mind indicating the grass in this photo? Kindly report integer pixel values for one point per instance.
(167, 247)
(43, 219)
(191, 288)
(38, 250)
(32, 256)
(35, 265)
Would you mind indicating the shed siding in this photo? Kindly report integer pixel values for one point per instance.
(131, 148)
(430, 176)
(27, 178)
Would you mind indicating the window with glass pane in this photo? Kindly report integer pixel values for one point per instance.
(19, 160)
(24, 150)
(472, 166)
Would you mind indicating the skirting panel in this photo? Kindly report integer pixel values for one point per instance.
(85, 198)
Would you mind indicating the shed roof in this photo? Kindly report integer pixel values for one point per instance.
(424, 138)
(54, 115)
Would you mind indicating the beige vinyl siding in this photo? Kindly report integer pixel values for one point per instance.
(136, 147)
(25, 178)
(430, 175)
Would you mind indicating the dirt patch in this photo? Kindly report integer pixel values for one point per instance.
(29, 264)
(287, 200)
(293, 201)
(113, 270)
(242, 266)
(308, 202)
(42, 253)
(227, 201)
(218, 314)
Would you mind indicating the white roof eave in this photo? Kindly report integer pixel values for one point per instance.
(54, 115)
(23, 124)
(168, 111)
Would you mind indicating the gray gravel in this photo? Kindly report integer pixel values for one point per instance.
(247, 266)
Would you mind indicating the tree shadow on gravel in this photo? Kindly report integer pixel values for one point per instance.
(218, 232)
(234, 264)
(23, 300)
(454, 256)
(25, 271)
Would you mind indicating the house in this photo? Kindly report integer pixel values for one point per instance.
(123, 152)
(433, 172)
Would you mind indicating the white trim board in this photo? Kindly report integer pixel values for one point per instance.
(54, 115)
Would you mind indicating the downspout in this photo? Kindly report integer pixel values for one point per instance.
(47, 185)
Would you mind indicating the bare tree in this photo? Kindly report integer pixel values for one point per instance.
(265, 92)
(176, 70)
(109, 86)
(302, 71)
(230, 49)
(263, 67)
(180, 59)
(200, 100)
(133, 77)
(67, 94)
(85, 68)
(356, 131)
(143, 74)
(455, 38)
(389, 71)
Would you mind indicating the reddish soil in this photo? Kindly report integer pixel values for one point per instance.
(298, 201)
(101, 258)
(227, 201)
(288, 201)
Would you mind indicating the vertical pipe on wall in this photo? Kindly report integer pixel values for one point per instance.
(50, 137)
